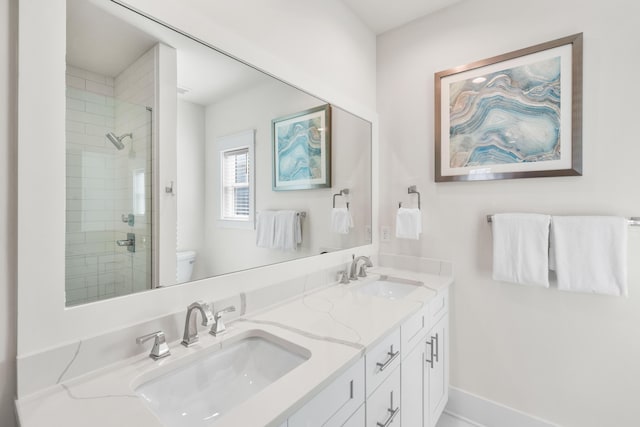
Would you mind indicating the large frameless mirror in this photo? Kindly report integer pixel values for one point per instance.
(184, 163)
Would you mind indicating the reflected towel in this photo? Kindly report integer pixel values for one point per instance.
(408, 223)
(265, 228)
(341, 220)
(520, 248)
(287, 230)
(589, 254)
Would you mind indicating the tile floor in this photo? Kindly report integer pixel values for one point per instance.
(447, 420)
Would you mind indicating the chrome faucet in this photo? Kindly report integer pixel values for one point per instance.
(354, 266)
(219, 327)
(190, 328)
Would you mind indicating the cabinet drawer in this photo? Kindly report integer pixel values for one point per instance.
(382, 359)
(438, 306)
(357, 419)
(383, 406)
(335, 403)
(414, 329)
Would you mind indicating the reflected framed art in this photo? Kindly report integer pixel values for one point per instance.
(302, 150)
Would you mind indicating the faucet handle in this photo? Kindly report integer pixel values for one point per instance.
(363, 271)
(219, 326)
(160, 348)
(343, 277)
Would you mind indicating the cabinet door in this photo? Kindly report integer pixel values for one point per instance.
(437, 371)
(412, 388)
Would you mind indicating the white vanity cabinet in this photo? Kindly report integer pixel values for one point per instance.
(401, 382)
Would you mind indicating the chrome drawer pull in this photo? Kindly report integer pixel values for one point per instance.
(392, 414)
(392, 357)
(430, 343)
(437, 352)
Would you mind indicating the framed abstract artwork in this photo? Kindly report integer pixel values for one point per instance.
(517, 115)
(302, 150)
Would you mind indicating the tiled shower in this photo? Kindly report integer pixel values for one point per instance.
(109, 190)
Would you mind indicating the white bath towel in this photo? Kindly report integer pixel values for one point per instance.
(341, 220)
(590, 254)
(520, 248)
(408, 223)
(265, 228)
(287, 230)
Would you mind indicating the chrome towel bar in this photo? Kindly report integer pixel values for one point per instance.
(633, 221)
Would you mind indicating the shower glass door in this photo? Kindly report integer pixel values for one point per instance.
(109, 145)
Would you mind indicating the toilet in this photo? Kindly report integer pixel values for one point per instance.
(184, 265)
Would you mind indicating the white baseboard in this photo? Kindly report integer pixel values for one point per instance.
(483, 412)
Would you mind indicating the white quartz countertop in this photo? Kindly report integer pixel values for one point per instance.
(337, 325)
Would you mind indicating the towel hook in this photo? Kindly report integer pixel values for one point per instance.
(412, 190)
(343, 192)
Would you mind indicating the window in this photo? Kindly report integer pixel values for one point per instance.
(235, 184)
(236, 188)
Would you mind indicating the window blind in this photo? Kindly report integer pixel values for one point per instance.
(235, 184)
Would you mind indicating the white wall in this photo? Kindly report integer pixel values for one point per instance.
(569, 358)
(230, 249)
(190, 164)
(8, 234)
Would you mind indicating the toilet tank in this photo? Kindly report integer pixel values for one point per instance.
(184, 265)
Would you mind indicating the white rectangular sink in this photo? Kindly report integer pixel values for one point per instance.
(198, 393)
(389, 287)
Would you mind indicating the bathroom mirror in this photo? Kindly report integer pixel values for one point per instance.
(170, 157)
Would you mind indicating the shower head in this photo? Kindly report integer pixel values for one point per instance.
(117, 140)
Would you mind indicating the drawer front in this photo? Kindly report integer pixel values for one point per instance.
(383, 406)
(414, 329)
(439, 306)
(357, 419)
(382, 359)
(335, 403)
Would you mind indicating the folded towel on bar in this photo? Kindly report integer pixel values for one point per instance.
(520, 248)
(265, 228)
(589, 254)
(287, 230)
(341, 220)
(408, 223)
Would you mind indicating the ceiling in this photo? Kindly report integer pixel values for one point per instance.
(105, 38)
(384, 15)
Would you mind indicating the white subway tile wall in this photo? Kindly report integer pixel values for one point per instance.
(100, 181)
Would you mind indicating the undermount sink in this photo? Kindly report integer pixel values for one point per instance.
(199, 392)
(389, 287)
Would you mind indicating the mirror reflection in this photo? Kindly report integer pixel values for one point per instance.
(183, 163)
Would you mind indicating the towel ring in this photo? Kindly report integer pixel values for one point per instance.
(344, 191)
(412, 190)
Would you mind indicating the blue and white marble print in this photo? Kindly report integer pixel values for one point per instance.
(299, 150)
(509, 116)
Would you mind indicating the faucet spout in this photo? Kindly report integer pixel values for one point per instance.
(190, 328)
(354, 266)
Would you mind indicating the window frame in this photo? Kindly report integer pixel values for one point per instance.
(225, 144)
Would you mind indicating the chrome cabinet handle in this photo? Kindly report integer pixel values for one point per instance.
(392, 414)
(430, 343)
(437, 352)
(392, 357)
